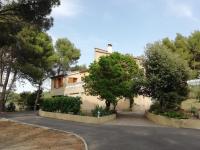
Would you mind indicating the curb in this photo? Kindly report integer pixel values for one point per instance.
(48, 128)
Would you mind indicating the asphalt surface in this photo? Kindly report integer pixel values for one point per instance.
(120, 137)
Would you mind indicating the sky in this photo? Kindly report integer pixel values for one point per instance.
(127, 24)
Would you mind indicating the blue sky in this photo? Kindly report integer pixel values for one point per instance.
(128, 24)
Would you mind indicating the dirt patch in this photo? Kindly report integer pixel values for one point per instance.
(14, 136)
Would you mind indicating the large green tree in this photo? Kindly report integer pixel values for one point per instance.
(166, 75)
(14, 16)
(110, 77)
(188, 48)
(67, 53)
(37, 50)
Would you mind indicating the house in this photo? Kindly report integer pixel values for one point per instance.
(71, 84)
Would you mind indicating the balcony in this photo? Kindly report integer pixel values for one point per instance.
(74, 88)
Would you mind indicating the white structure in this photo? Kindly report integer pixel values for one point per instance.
(194, 82)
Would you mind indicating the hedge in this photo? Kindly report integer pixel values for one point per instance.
(62, 104)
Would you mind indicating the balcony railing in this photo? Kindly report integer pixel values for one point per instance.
(75, 85)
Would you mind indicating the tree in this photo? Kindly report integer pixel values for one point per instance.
(166, 75)
(194, 47)
(67, 53)
(109, 78)
(28, 11)
(133, 85)
(187, 48)
(14, 16)
(37, 49)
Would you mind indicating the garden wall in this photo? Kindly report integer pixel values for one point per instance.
(188, 104)
(77, 118)
(171, 122)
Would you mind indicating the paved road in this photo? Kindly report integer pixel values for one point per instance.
(120, 137)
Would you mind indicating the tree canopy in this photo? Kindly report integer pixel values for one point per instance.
(110, 77)
(28, 11)
(67, 55)
(188, 48)
(15, 17)
(37, 55)
(166, 75)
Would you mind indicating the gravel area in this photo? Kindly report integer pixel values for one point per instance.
(15, 136)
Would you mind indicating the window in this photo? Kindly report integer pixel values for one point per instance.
(72, 80)
(58, 82)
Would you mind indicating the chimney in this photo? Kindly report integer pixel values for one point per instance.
(109, 48)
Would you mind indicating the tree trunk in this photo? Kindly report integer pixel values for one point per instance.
(107, 105)
(114, 106)
(1, 104)
(3, 93)
(162, 105)
(131, 101)
(38, 96)
(11, 84)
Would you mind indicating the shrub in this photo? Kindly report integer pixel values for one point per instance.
(102, 111)
(63, 104)
(174, 114)
(194, 111)
(10, 107)
(155, 108)
(27, 100)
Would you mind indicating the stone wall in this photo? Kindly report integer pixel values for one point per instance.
(77, 118)
(171, 122)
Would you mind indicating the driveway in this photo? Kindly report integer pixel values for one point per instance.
(121, 137)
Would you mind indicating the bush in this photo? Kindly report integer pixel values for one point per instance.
(27, 100)
(62, 104)
(155, 108)
(174, 114)
(194, 111)
(10, 107)
(102, 111)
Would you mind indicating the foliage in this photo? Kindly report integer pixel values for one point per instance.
(37, 49)
(46, 94)
(67, 53)
(15, 15)
(28, 11)
(27, 100)
(175, 114)
(63, 104)
(79, 68)
(194, 92)
(10, 107)
(194, 111)
(155, 109)
(13, 97)
(110, 77)
(102, 111)
(166, 76)
(188, 48)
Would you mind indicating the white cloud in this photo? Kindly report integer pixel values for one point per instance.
(68, 8)
(181, 9)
